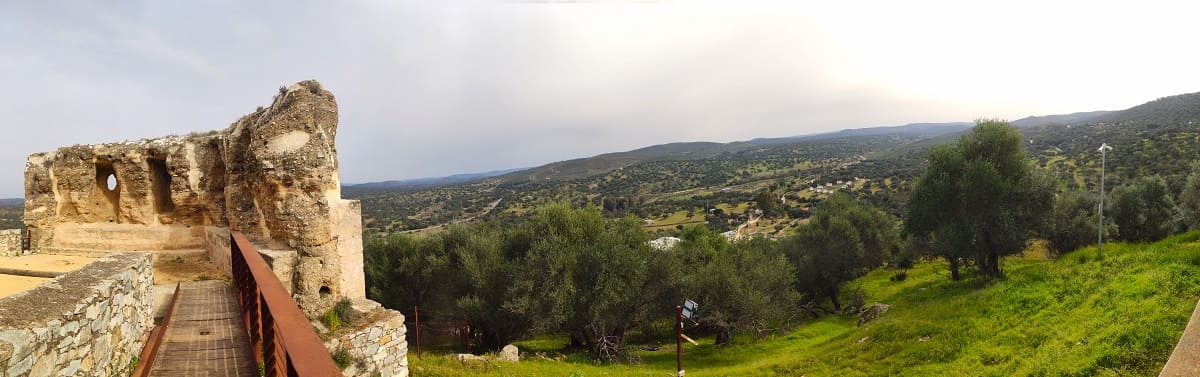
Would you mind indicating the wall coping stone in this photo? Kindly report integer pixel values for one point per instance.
(48, 301)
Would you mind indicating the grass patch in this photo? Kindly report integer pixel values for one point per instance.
(1119, 315)
(342, 358)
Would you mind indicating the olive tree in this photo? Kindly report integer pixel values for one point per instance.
(844, 239)
(979, 199)
(1142, 209)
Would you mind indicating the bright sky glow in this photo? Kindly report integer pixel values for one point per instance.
(430, 88)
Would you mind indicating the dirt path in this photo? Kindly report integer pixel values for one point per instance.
(10, 284)
(739, 231)
(188, 267)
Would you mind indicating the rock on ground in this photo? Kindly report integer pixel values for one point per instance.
(467, 358)
(509, 353)
(872, 312)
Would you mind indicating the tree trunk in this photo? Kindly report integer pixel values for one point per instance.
(954, 270)
(619, 334)
(724, 336)
(833, 296)
(578, 340)
(995, 262)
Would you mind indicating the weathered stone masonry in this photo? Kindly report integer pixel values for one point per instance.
(380, 347)
(273, 175)
(10, 242)
(89, 322)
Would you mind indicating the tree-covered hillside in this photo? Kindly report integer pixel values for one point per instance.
(12, 213)
(683, 183)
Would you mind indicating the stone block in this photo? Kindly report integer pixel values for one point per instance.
(509, 353)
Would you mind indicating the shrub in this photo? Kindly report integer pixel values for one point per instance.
(331, 320)
(313, 87)
(343, 310)
(1143, 209)
(342, 358)
(1072, 222)
(1189, 199)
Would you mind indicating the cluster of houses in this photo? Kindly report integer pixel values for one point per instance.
(831, 187)
(666, 243)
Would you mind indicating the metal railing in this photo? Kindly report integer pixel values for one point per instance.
(281, 337)
(154, 342)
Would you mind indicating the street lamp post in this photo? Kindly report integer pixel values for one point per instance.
(1104, 147)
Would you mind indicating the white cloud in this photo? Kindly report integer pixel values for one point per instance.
(428, 88)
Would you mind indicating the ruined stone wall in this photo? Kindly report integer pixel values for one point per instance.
(89, 322)
(10, 242)
(380, 347)
(272, 174)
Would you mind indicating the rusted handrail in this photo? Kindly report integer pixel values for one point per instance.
(150, 349)
(280, 335)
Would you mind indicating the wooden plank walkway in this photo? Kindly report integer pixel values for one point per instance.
(205, 335)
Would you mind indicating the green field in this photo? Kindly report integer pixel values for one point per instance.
(1075, 315)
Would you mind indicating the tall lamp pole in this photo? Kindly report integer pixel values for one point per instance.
(1104, 147)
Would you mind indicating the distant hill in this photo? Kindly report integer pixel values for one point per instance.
(666, 184)
(12, 211)
(428, 182)
(590, 166)
(1177, 109)
(687, 151)
(908, 130)
(1063, 119)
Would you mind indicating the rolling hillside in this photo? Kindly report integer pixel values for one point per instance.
(677, 183)
(1072, 316)
(425, 183)
(604, 163)
(12, 213)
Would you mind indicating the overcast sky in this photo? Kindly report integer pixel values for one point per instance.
(434, 88)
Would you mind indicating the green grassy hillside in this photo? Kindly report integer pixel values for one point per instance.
(1076, 315)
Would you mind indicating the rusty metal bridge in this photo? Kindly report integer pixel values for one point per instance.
(212, 329)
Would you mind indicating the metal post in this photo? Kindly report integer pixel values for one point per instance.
(679, 340)
(417, 315)
(466, 332)
(1100, 222)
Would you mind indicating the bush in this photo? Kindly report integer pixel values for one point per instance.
(312, 86)
(343, 310)
(1189, 199)
(331, 320)
(1072, 222)
(1143, 210)
(342, 358)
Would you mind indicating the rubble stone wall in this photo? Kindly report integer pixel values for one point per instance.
(89, 322)
(272, 174)
(380, 347)
(10, 242)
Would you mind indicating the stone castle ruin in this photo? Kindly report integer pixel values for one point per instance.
(122, 214)
(273, 175)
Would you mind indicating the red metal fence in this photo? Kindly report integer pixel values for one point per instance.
(154, 342)
(280, 335)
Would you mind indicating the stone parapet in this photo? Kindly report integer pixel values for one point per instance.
(380, 347)
(89, 322)
(10, 243)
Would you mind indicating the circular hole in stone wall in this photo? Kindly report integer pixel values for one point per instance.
(325, 291)
(112, 182)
